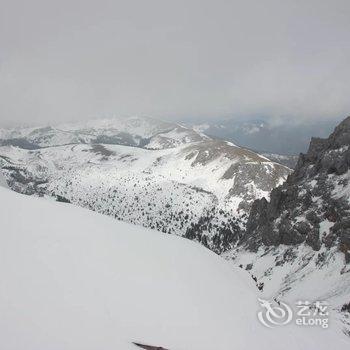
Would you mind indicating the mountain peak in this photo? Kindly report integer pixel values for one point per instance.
(312, 206)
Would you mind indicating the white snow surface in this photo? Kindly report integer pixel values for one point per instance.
(75, 279)
(169, 185)
(172, 156)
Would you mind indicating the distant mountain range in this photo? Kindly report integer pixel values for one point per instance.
(289, 230)
(265, 136)
(144, 171)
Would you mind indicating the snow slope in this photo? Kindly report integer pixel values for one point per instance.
(298, 243)
(74, 279)
(143, 171)
(298, 273)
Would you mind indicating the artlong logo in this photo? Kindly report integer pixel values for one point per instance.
(273, 316)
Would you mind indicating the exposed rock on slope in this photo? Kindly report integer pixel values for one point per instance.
(72, 279)
(140, 170)
(312, 206)
(3, 182)
(294, 244)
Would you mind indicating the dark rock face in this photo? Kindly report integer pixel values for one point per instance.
(312, 206)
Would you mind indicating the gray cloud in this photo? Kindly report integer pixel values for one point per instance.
(70, 60)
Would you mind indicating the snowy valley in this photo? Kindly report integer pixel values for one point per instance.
(174, 175)
(75, 279)
(283, 241)
(143, 171)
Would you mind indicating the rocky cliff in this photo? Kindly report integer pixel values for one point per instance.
(313, 205)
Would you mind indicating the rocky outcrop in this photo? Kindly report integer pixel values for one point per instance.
(3, 182)
(312, 206)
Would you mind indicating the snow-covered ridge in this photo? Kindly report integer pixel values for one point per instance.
(298, 243)
(140, 170)
(132, 131)
(287, 160)
(73, 279)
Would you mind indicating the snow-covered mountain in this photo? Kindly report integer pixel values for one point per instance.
(288, 160)
(74, 279)
(140, 170)
(175, 180)
(134, 131)
(298, 243)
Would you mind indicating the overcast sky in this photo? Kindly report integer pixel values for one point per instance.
(69, 60)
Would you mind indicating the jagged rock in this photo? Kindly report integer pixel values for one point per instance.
(249, 267)
(347, 257)
(317, 191)
(288, 255)
(313, 217)
(303, 228)
(270, 236)
(345, 237)
(289, 235)
(341, 225)
(331, 214)
(329, 240)
(313, 239)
